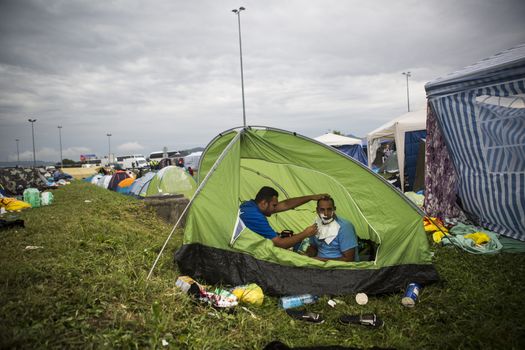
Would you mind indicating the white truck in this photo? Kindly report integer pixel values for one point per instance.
(136, 161)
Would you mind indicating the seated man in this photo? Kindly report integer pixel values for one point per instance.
(254, 212)
(336, 239)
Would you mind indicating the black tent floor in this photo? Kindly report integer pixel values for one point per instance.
(217, 266)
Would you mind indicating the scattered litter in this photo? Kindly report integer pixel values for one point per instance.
(165, 342)
(185, 282)
(361, 298)
(304, 315)
(87, 201)
(33, 247)
(250, 312)
(369, 320)
(297, 300)
(411, 295)
(249, 294)
(219, 298)
(332, 303)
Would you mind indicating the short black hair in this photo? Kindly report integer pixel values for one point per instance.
(266, 194)
(326, 199)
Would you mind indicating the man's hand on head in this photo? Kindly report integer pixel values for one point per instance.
(317, 197)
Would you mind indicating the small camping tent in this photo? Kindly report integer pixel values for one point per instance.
(172, 180)
(104, 181)
(116, 178)
(140, 185)
(477, 139)
(348, 145)
(217, 247)
(399, 130)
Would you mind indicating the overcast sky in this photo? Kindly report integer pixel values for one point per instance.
(167, 73)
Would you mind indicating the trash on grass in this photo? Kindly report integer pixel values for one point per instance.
(361, 298)
(249, 294)
(250, 312)
(411, 295)
(33, 247)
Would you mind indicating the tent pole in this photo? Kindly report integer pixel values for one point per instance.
(217, 162)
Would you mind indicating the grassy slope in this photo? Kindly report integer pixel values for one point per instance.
(86, 289)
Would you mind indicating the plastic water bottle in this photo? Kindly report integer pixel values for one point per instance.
(297, 300)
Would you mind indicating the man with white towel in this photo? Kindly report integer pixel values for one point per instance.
(335, 238)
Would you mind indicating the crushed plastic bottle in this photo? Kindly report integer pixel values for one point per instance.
(297, 300)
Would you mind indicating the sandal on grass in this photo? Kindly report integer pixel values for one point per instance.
(369, 320)
(304, 315)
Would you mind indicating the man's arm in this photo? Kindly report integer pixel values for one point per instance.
(311, 251)
(348, 256)
(288, 242)
(292, 203)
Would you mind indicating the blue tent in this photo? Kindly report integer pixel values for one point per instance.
(480, 114)
(140, 185)
(354, 151)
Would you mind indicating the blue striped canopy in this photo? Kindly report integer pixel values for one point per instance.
(480, 111)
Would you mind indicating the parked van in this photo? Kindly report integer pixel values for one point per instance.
(136, 161)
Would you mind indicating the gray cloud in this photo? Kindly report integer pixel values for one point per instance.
(166, 73)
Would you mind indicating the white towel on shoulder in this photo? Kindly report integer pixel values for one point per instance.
(327, 232)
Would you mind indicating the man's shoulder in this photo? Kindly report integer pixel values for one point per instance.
(248, 204)
(343, 222)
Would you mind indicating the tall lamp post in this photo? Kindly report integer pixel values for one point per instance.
(60, 140)
(32, 121)
(109, 147)
(407, 74)
(238, 13)
(17, 153)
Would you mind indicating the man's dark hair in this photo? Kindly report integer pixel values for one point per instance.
(265, 194)
(326, 199)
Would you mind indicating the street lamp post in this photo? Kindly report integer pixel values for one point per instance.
(60, 140)
(109, 147)
(32, 121)
(17, 153)
(407, 74)
(238, 13)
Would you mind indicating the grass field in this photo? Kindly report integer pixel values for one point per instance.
(87, 288)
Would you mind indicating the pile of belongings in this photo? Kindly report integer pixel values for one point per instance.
(221, 298)
(15, 180)
(470, 238)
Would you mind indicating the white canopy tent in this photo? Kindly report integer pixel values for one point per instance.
(395, 130)
(192, 160)
(331, 139)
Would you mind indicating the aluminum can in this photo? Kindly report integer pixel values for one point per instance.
(411, 295)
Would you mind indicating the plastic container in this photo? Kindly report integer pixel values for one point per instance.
(46, 198)
(32, 196)
(297, 300)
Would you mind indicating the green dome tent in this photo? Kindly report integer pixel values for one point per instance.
(218, 248)
(172, 180)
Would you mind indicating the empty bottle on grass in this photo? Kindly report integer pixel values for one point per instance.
(297, 300)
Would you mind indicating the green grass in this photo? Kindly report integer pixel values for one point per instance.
(87, 288)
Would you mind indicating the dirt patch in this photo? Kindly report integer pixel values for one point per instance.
(80, 173)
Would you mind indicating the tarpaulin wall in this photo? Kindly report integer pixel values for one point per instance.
(486, 140)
